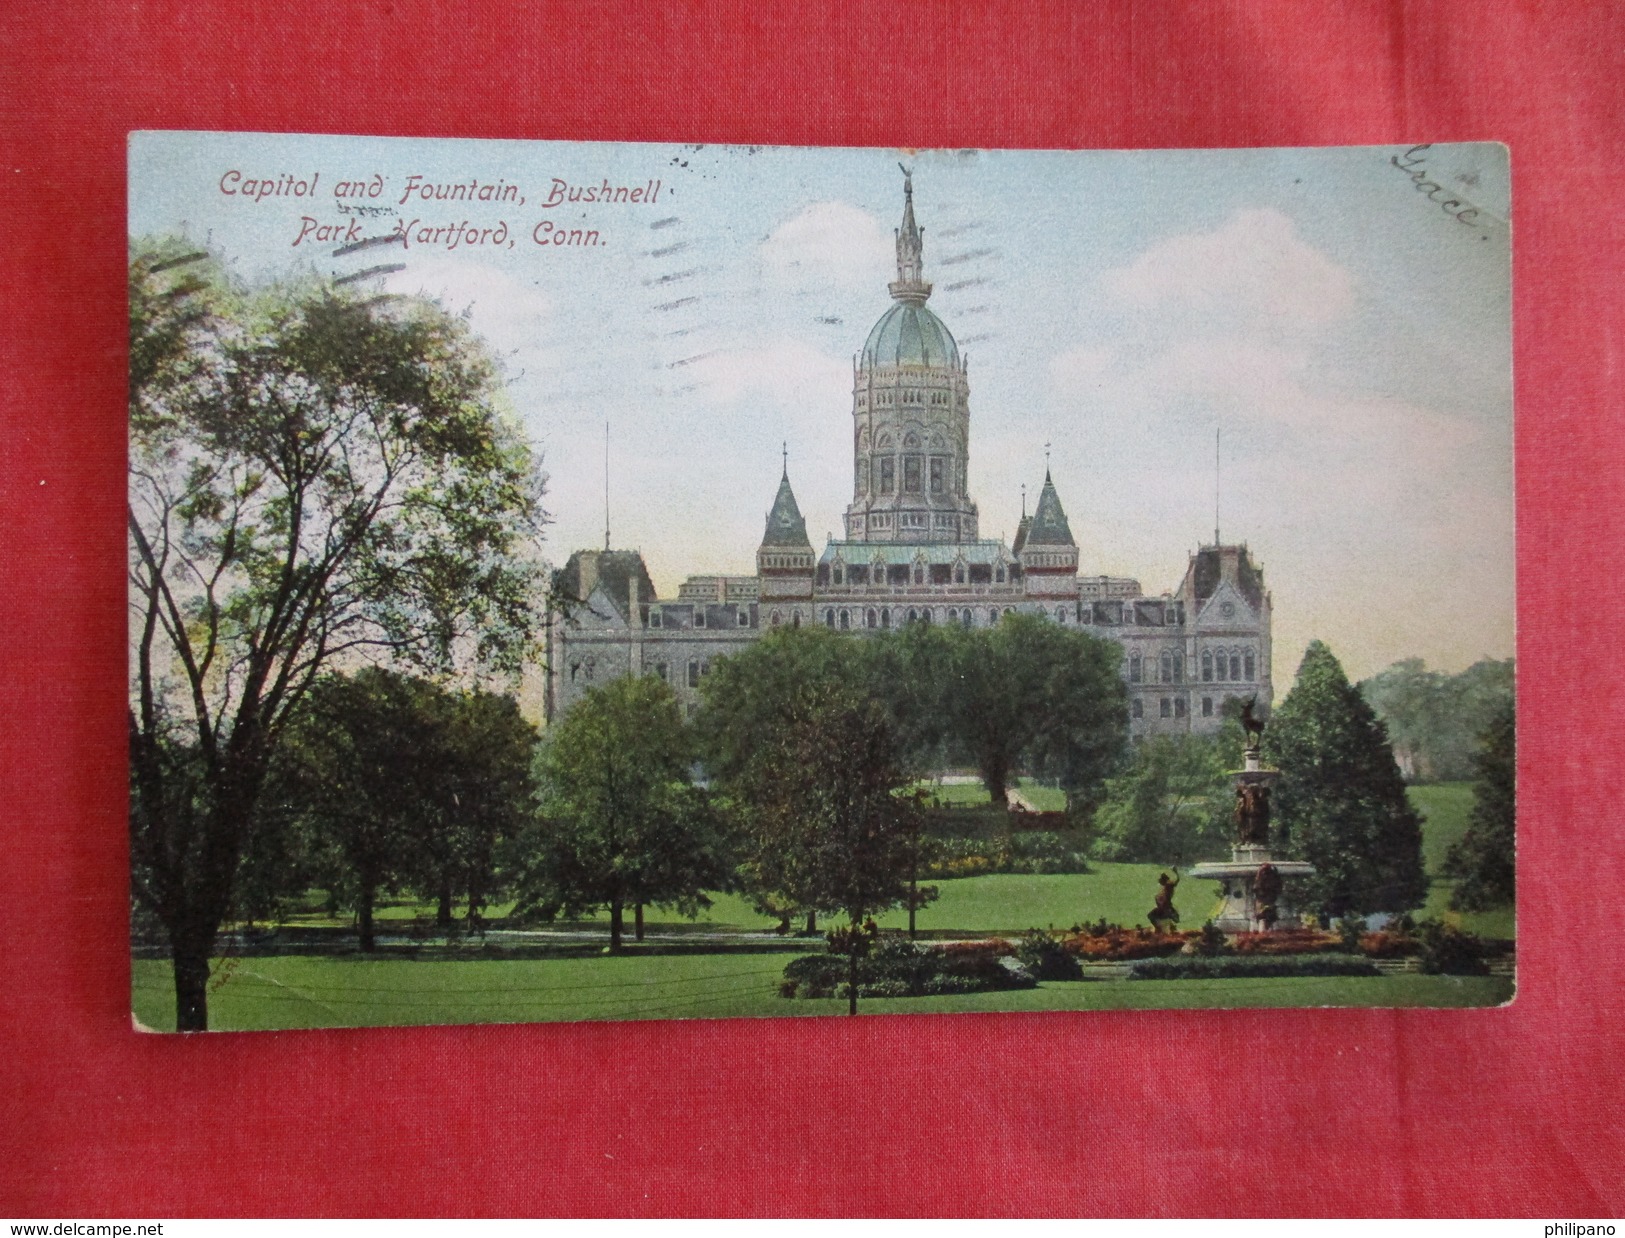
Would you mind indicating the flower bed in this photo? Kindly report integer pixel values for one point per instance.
(1110, 943)
(904, 969)
(1287, 941)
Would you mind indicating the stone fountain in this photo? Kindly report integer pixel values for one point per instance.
(1253, 883)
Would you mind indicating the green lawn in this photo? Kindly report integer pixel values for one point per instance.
(1446, 808)
(303, 991)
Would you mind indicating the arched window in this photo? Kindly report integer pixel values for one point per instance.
(1235, 667)
(870, 619)
(1167, 665)
(953, 615)
(1249, 665)
(959, 573)
(829, 617)
(1134, 673)
(919, 573)
(795, 619)
(1179, 667)
(968, 619)
(846, 619)
(1221, 664)
(998, 573)
(587, 669)
(913, 615)
(1207, 666)
(840, 574)
(1137, 710)
(885, 618)
(1060, 614)
(925, 616)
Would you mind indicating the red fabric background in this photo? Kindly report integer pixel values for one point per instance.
(1514, 1111)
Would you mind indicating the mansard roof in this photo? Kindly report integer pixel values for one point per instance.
(1211, 565)
(609, 570)
(1049, 526)
(857, 553)
(785, 527)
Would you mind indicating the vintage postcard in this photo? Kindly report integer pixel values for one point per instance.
(605, 581)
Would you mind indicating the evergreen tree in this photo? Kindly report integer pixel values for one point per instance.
(1341, 802)
(1483, 858)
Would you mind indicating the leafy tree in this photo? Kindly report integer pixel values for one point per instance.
(1435, 719)
(1032, 692)
(313, 476)
(481, 769)
(1171, 806)
(1341, 803)
(828, 827)
(360, 763)
(622, 823)
(1484, 856)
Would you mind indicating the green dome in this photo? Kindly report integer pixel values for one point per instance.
(910, 334)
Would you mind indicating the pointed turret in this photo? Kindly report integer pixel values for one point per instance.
(1049, 556)
(784, 561)
(785, 527)
(910, 286)
(1049, 527)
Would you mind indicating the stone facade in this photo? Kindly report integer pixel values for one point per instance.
(912, 554)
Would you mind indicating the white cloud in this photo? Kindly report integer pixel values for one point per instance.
(509, 314)
(831, 242)
(787, 373)
(1253, 266)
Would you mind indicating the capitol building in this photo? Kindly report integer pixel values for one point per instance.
(913, 553)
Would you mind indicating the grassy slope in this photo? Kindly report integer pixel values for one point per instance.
(1446, 807)
(304, 991)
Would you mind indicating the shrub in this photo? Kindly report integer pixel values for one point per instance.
(1210, 942)
(1047, 958)
(1450, 951)
(1385, 944)
(900, 968)
(1028, 851)
(1350, 931)
(1201, 967)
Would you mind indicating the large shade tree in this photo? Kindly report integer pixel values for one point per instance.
(830, 823)
(314, 476)
(622, 824)
(1341, 803)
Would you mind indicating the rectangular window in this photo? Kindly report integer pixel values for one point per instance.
(654, 618)
(911, 474)
(937, 471)
(1207, 707)
(1167, 708)
(693, 673)
(888, 475)
(699, 617)
(1179, 707)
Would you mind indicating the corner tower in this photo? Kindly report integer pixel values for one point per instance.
(784, 560)
(911, 415)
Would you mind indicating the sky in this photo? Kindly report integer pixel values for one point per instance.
(1342, 322)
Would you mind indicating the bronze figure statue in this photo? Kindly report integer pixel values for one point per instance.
(1266, 894)
(1164, 916)
(1251, 722)
(1253, 814)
